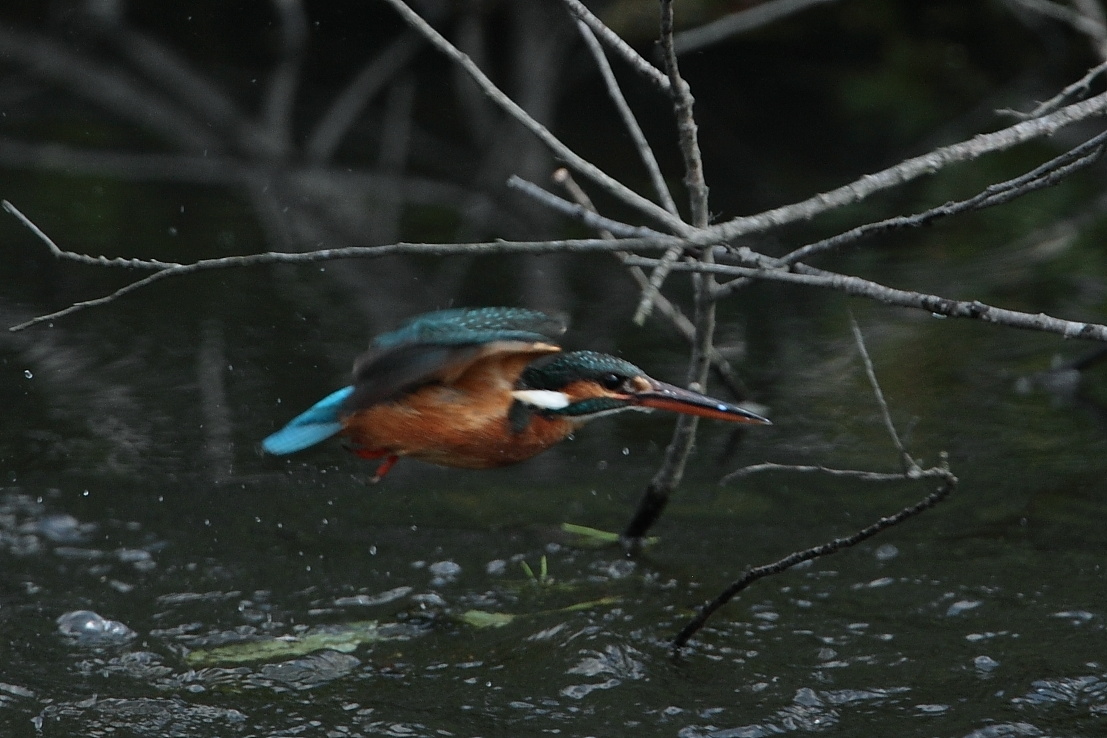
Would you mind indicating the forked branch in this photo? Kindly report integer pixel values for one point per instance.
(911, 471)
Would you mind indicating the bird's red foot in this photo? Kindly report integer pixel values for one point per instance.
(384, 468)
(390, 460)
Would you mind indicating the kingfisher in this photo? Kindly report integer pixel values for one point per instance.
(479, 388)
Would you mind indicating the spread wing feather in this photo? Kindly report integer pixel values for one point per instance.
(440, 346)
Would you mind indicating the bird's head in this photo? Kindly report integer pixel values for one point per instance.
(586, 384)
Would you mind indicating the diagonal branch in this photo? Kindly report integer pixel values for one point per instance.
(1040, 177)
(1044, 175)
(669, 475)
(578, 212)
(672, 313)
(885, 413)
(163, 270)
(618, 45)
(798, 557)
(858, 474)
(911, 470)
(749, 19)
(614, 187)
(905, 171)
(858, 287)
(630, 123)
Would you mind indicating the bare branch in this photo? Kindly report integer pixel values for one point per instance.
(687, 131)
(84, 258)
(672, 313)
(885, 413)
(668, 476)
(580, 213)
(740, 22)
(688, 138)
(940, 306)
(645, 152)
(1077, 88)
(79, 306)
(911, 471)
(572, 159)
(171, 269)
(617, 44)
(905, 171)
(862, 476)
(798, 557)
(1044, 175)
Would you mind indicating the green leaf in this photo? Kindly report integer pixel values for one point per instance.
(594, 538)
(485, 619)
(343, 638)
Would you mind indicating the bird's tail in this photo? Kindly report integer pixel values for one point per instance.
(317, 423)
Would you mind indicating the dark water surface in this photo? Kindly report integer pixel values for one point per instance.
(159, 577)
(984, 617)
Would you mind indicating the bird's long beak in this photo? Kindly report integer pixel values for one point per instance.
(661, 396)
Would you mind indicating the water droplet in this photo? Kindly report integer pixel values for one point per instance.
(88, 627)
(626, 451)
(27, 373)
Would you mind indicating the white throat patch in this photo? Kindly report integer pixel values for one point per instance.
(542, 399)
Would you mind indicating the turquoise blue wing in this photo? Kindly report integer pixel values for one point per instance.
(472, 325)
(318, 423)
(431, 345)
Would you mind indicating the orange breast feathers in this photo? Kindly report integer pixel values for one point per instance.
(461, 422)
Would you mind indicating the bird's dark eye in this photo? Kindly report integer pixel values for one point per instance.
(611, 381)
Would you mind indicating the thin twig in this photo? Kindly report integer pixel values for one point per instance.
(687, 130)
(60, 253)
(172, 269)
(671, 312)
(941, 306)
(580, 213)
(621, 47)
(911, 471)
(885, 413)
(630, 123)
(905, 171)
(733, 24)
(858, 474)
(671, 471)
(614, 187)
(798, 557)
(1044, 175)
(1079, 87)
